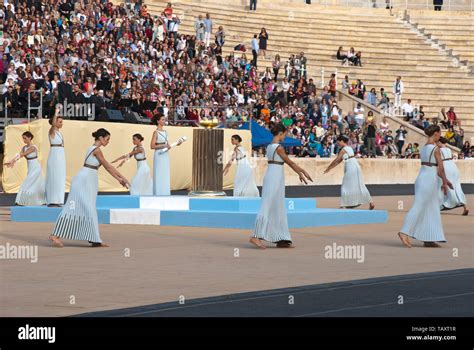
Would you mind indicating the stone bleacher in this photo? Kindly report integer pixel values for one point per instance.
(389, 47)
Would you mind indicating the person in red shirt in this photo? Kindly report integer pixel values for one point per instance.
(333, 85)
(452, 118)
(168, 11)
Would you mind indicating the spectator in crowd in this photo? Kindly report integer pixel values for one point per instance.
(262, 42)
(253, 5)
(220, 37)
(354, 57)
(255, 49)
(452, 118)
(370, 132)
(200, 29)
(340, 55)
(208, 23)
(400, 138)
(408, 110)
(276, 65)
(333, 85)
(372, 97)
(346, 84)
(384, 125)
(384, 102)
(438, 5)
(359, 115)
(398, 88)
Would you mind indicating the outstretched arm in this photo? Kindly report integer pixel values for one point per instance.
(111, 170)
(12, 162)
(303, 174)
(127, 156)
(335, 162)
(227, 167)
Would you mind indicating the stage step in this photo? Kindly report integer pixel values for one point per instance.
(243, 204)
(45, 214)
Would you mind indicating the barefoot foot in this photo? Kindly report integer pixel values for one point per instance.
(98, 245)
(405, 240)
(284, 244)
(257, 242)
(371, 206)
(56, 241)
(466, 211)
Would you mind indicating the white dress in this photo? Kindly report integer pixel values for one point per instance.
(353, 190)
(455, 197)
(244, 183)
(272, 222)
(423, 221)
(78, 219)
(161, 167)
(56, 171)
(141, 184)
(32, 189)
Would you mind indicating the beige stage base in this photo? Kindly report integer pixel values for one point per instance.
(77, 136)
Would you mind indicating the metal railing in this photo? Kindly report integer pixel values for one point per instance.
(448, 5)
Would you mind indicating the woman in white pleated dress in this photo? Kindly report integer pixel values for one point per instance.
(244, 183)
(56, 166)
(271, 224)
(161, 160)
(141, 184)
(455, 197)
(78, 219)
(32, 189)
(353, 190)
(423, 221)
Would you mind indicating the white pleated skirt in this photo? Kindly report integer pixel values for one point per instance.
(56, 176)
(353, 190)
(161, 174)
(455, 197)
(423, 220)
(78, 219)
(142, 184)
(244, 183)
(32, 190)
(272, 222)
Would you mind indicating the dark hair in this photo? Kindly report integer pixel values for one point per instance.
(156, 118)
(100, 133)
(278, 128)
(138, 136)
(28, 134)
(343, 138)
(443, 140)
(50, 120)
(237, 137)
(430, 130)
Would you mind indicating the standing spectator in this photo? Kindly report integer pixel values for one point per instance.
(168, 11)
(200, 29)
(360, 89)
(208, 29)
(333, 85)
(253, 5)
(370, 132)
(400, 137)
(276, 66)
(220, 36)
(397, 93)
(262, 42)
(255, 49)
(438, 4)
(346, 84)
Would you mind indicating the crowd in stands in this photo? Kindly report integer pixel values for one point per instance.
(116, 57)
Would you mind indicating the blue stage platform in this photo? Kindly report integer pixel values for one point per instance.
(227, 212)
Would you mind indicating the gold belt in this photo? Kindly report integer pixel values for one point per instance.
(56, 145)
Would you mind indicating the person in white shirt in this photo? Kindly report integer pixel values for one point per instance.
(359, 115)
(255, 49)
(208, 29)
(407, 110)
(397, 93)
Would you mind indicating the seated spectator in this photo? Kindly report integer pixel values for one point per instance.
(415, 151)
(372, 97)
(452, 118)
(384, 102)
(408, 110)
(359, 115)
(341, 56)
(346, 84)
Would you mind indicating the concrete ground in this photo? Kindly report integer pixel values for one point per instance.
(149, 264)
